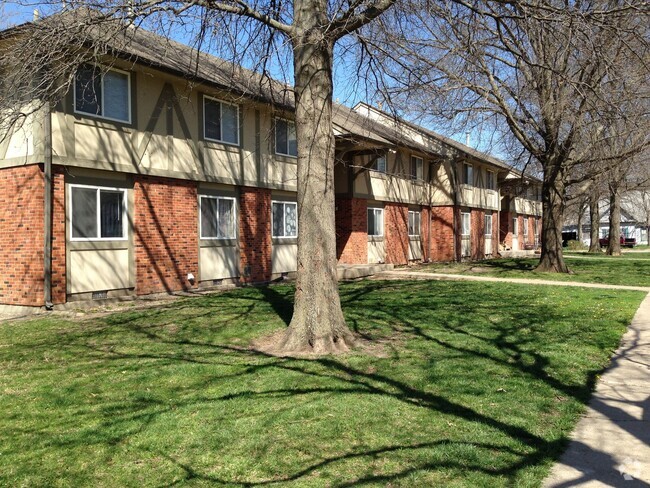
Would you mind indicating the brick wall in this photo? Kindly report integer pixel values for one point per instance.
(255, 234)
(351, 231)
(477, 235)
(442, 234)
(396, 233)
(425, 232)
(22, 191)
(495, 234)
(21, 236)
(166, 234)
(58, 236)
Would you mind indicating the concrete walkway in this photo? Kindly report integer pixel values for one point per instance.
(610, 446)
(611, 443)
(420, 275)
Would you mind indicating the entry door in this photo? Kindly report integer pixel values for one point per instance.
(515, 233)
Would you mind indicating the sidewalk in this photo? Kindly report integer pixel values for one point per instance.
(610, 446)
(420, 275)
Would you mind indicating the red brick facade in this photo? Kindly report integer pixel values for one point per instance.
(22, 191)
(166, 237)
(21, 236)
(351, 230)
(255, 243)
(58, 236)
(442, 234)
(396, 235)
(506, 231)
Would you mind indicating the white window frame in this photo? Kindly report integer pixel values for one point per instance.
(417, 163)
(375, 164)
(99, 116)
(234, 217)
(283, 203)
(418, 214)
(376, 211)
(221, 103)
(464, 215)
(275, 140)
(525, 224)
(515, 226)
(468, 174)
(488, 223)
(490, 180)
(125, 213)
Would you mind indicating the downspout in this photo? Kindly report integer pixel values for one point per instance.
(47, 172)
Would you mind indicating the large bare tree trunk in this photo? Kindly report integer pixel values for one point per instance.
(594, 219)
(317, 324)
(614, 246)
(580, 234)
(553, 201)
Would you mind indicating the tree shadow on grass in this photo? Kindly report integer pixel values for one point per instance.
(241, 374)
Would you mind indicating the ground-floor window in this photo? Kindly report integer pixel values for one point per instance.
(97, 213)
(515, 226)
(376, 222)
(285, 219)
(488, 225)
(414, 223)
(217, 217)
(465, 221)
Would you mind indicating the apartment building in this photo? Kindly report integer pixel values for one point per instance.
(169, 175)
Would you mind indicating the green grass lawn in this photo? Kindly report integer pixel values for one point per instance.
(624, 270)
(478, 385)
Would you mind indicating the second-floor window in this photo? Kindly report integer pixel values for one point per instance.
(285, 219)
(414, 223)
(417, 168)
(376, 222)
(97, 213)
(285, 138)
(380, 164)
(217, 217)
(489, 180)
(468, 174)
(220, 121)
(103, 93)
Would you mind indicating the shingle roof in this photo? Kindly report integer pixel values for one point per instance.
(142, 46)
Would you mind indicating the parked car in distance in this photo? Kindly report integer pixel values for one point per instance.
(625, 241)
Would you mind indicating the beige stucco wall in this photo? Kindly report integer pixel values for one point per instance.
(170, 143)
(218, 262)
(98, 270)
(284, 258)
(527, 207)
(415, 249)
(396, 184)
(376, 251)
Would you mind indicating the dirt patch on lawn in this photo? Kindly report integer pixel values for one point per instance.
(380, 348)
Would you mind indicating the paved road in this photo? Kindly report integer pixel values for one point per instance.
(611, 443)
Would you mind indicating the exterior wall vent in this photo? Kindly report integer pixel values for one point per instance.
(100, 295)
